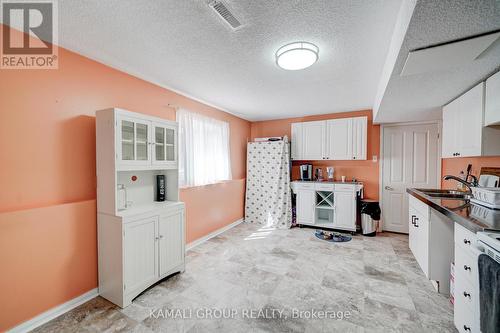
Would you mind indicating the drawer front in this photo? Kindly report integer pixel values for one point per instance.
(304, 186)
(324, 187)
(464, 318)
(466, 301)
(464, 238)
(419, 206)
(344, 188)
(466, 265)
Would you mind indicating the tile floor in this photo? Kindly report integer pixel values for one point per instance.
(374, 282)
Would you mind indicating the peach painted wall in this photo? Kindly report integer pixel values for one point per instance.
(47, 147)
(453, 166)
(365, 171)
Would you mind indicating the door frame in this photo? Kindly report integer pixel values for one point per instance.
(439, 123)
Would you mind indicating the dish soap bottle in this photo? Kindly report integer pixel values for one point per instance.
(460, 186)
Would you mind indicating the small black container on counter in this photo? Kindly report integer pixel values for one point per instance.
(160, 188)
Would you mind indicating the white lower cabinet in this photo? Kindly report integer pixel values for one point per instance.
(140, 253)
(431, 242)
(326, 205)
(171, 242)
(419, 238)
(345, 210)
(137, 251)
(305, 206)
(466, 306)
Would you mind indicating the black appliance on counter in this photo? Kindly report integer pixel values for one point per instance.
(306, 171)
(160, 188)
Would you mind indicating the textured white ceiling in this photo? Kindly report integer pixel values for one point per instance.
(420, 96)
(183, 45)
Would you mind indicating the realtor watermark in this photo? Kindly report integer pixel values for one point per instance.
(248, 313)
(29, 34)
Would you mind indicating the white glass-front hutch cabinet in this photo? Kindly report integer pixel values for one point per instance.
(140, 240)
(143, 142)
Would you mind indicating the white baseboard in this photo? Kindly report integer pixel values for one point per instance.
(212, 234)
(54, 312)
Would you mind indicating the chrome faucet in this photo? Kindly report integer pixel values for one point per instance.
(471, 184)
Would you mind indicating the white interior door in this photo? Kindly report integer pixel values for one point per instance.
(410, 159)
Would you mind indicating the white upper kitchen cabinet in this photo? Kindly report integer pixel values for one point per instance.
(296, 150)
(334, 139)
(313, 140)
(464, 133)
(450, 130)
(340, 138)
(359, 137)
(492, 104)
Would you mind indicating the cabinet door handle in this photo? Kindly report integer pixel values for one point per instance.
(156, 238)
(354, 158)
(161, 236)
(413, 219)
(466, 294)
(416, 225)
(467, 268)
(466, 241)
(388, 188)
(466, 328)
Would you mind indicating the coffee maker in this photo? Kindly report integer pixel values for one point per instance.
(306, 171)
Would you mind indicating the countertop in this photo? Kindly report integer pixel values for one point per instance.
(145, 208)
(327, 181)
(470, 215)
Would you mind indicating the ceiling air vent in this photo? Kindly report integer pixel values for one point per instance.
(221, 9)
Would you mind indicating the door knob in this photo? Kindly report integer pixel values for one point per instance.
(466, 294)
(388, 188)
(467, 268)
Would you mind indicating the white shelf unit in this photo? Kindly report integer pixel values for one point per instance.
(324, 214)
(143, 242)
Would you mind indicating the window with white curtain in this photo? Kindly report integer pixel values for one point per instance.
(203, 149)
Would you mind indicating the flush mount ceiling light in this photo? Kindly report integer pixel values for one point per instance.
(297, 55)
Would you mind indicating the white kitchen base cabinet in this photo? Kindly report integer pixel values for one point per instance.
(326, 205)
(466, 306)
(431, 242)
(137, 251)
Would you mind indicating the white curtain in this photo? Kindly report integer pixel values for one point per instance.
(268, 194)
(203, 149)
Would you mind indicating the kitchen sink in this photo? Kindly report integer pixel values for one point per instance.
(449, 194)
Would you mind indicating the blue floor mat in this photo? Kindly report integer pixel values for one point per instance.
(332, 236)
